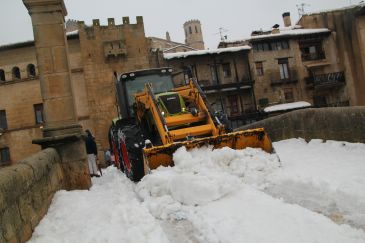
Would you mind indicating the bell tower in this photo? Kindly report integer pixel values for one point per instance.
(193, 34)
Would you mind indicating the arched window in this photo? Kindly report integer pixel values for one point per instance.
(2, 75)
(196, 29)
(31, 71)
(16, 73)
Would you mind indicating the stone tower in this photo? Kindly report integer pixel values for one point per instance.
(193, 34)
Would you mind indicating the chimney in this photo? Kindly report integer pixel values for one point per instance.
(168, 36)
(287, 20)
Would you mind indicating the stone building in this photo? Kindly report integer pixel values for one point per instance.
(347, 33)
(225, 77)
(194, 34)
(96, 54)
(320, 60)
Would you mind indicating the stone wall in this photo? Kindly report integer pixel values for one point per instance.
(26, 191)
(339, 123)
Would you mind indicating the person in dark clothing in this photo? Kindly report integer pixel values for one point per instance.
(92, 152)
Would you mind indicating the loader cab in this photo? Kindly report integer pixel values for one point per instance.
(133, 82)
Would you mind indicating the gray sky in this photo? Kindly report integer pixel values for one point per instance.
(238, 17)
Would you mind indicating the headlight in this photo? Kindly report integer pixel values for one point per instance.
(131, 74)
(163, 113)
(163, 71)
(170, 70)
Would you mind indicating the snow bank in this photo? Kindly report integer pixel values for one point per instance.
(109, 212)
(219, 193)
(223, 195)
(326, 177)
(287, 106)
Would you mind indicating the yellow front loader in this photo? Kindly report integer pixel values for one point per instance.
(158, 119)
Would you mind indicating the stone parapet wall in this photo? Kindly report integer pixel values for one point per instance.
(26, 191)
(338, 123)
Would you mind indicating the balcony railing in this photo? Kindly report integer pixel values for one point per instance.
(207, 86)
(277, 79)
(313, 56)
(326, 80)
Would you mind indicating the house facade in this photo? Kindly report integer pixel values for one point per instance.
(224, 75)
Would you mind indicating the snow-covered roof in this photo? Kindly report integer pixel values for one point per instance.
(337, 9)
(204, 52)
(290, 32)
(182, 45)
(287, 106)
(28, 42)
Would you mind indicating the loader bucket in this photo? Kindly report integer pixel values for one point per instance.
(162, 155)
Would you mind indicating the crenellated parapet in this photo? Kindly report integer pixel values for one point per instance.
(112, 39)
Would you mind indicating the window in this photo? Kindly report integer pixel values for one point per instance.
(214, 73)
(2, 75)
(4, 156)
(31, 71)
(196, 29)
(263, 102)
(3, 122)
(311, 49)
(271, 46)
(226, 70)
(16, 73)
(233, 102)
(288, 93)
(190, 30)
(259, 68)
(38, 112)
(284, 68)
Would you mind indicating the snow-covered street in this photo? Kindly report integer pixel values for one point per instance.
(313, 193)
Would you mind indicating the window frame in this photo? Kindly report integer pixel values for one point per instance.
(38, 108)
(289, 95)
(2, 75)
(16, 74)
(31, 71)
(284, 68)
(7, 159)
(259, 66)
(227, 71)
(3, 120)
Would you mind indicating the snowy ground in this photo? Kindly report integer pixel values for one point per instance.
(314, 193)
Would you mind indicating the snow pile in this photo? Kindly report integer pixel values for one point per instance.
(201, 176)
(287, 106)
(109, 212)
(326, 177)
(315, 193)
(219, 192)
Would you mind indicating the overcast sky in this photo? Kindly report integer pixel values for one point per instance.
(237, 17)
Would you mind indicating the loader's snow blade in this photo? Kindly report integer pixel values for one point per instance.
(162, 155)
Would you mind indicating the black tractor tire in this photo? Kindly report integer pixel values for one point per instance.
(134, 143)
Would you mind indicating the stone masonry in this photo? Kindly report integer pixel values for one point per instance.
(61, 130)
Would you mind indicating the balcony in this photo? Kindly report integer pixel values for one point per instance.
(313, 56)
(207, 87)
(325, 81)
(277, 79)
